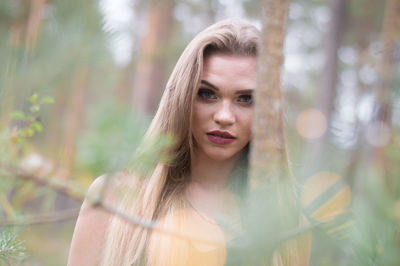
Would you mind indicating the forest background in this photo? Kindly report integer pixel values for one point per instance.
(80, 81)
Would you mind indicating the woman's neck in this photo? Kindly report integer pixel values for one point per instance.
(208, 188)
(211, 174)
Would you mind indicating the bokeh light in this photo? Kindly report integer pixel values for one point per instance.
(311, 124)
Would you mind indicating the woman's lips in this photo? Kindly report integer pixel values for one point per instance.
(220, 137)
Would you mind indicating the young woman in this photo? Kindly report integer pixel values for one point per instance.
(207, 109)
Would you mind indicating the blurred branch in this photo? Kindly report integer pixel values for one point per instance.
(73, 192)
(44, 218)
(77, 194)
(64, 188)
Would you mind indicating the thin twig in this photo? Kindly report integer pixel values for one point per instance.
(77, 194)
(96, 203)
(43, 218)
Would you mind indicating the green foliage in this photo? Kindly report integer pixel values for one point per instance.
(13, 140)
(266, 224)
(110, 142)
(14, 146)
(70, 38)
(150, 153)
(376, 235)
(112, 134)
(11, 249)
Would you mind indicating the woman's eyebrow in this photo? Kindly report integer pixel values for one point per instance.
(244, 91)
(205, 82)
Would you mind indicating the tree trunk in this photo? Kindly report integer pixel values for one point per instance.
(355, 158)
(383, 108)
(389, 34)
(150, 69)
(268, 159)
(271, 209)
(325, 97)
(34, 23)
(26, 28)
(74, 117)
(123, 90)
(54, 131)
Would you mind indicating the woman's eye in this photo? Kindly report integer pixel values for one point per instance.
(247, 99)
(206, 94)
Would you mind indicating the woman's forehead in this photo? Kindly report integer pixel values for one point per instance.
(222, 72)
(230, 65)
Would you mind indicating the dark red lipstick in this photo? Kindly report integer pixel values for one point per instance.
(220, 137)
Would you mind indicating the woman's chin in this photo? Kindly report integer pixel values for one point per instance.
(221, 156)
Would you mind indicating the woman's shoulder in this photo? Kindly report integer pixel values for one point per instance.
(93, 220)
(108, 188)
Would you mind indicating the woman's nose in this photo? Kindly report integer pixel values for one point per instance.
(224, 114)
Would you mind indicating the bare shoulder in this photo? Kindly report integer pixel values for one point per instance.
(92, 224)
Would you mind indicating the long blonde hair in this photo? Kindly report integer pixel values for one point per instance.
(159, 192)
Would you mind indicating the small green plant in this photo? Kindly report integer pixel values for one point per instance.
(13, 138)
(14, 146)
(30, 120)
(11, 249)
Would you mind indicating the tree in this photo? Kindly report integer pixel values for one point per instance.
(150, 68)
(383, 108)
(327, 91)
(268, 143)
(272, 202)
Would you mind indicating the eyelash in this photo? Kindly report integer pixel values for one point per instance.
(248, 99)
(206, 94)
(209, 95)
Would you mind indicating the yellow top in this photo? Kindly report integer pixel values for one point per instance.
(192, 250)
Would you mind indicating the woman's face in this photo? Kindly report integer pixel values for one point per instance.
(223, 108)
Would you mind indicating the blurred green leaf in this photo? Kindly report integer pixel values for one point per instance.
(47, 100)
(34, 108)
(112, 134)
(17, 115)
(28, 132)
(33, 98)
(37, 126)
(149, 154)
